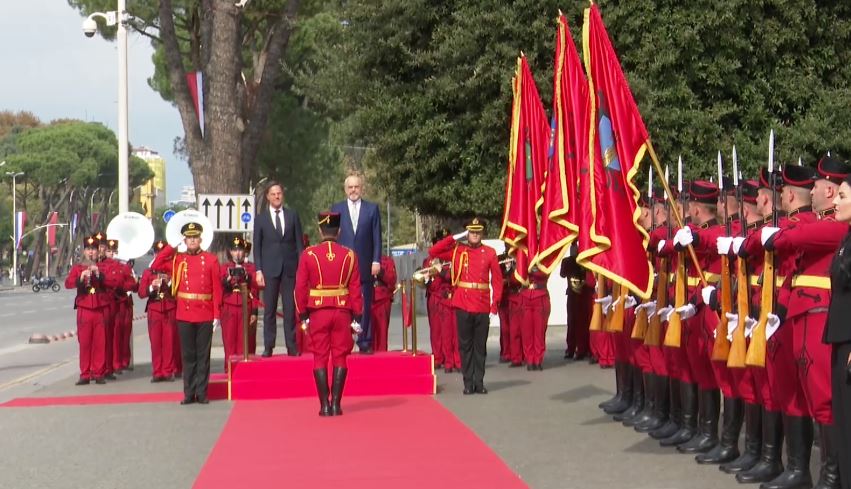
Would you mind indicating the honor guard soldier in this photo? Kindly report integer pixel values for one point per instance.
(535, 311)
(474, 270)
(382, 299)
(235, 273)
(329, 303)
(435, 288)
(155, 285)
(511, 317)
(580, 299)
(197, 286)
(91, 304)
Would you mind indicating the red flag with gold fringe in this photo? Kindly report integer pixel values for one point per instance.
(616, 244)
(569, 142)
(527, 155)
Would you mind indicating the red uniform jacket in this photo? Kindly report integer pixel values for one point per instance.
(159, 298)
(124, 280)
(195, 282)
(230, 285)
(92, 293)
(814, 245)
(472, 270)
(385, 282)
(328, 277)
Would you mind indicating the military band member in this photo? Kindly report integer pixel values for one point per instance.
(125, 284)
(382, 299)
(512, 312)
(328, 301)
(197, 286)
(535, 310)
(155, 285)
(580, 300)
(474, 269)
(233, 274)
(91, 306)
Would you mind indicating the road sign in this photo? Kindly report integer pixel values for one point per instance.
(167, 215)
(230, 213)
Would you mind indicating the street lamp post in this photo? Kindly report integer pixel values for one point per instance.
(118, 18)
(14, 175)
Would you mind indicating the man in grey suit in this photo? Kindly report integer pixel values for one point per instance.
(360, 230)
(277, 247)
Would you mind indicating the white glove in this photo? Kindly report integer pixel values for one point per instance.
(683, 237)
(650, 306)
(706, 294)
(665, 313)
(732, 324)
(461, 235)
(492, 318)
(737, 244)
(629, 302)
(660, 246)
(766, 233)
(216, 324)
(687, 311)
(772, 326)
(750, 323)
(606, 302)
(356, 327)
(723, 244)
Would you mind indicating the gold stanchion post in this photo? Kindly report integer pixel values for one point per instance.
(404, 328)
(243, 291)
(413, 317)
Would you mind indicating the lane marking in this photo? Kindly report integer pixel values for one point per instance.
(36, 374)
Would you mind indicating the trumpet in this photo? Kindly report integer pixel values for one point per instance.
(424, 274)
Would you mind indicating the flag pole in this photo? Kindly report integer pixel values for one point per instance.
(673, 205)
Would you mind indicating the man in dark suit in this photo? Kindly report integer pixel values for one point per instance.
(277, 248)
(360, 230)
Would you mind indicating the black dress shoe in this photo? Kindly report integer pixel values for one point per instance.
(438, 366)
(293, 354)
(83, 382)
(202, 400)
(503, 360)
(568, 355)
(469, 390)
(481, 389)
(186, 401)
(100, 380)
(530, 367)
(580, 356)
(266, 353)
(155, 380)
(515, 365)
(110, 377)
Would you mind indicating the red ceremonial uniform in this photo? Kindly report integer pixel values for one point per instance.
(534, 314)
(474, 271)
(435, 287)
(328, 292)
(676, 357)
(123, 329)
(162, 323)
(656, 354)
(382, 300)
(780, 362)
(511, 306)
(814, 245)
(232, 331)
(447, 321)
(91, 304)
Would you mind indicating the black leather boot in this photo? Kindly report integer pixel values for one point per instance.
(619, 379)
(320, 375)
(829, 474)
(661, 412)
(770, 464)
(707, 424)
(337, 390)
(626, 392)
(799, 438)
(649, 410)
(688, 427)
(637, 397)
(675, 413)
(753, 441)
(728, 450)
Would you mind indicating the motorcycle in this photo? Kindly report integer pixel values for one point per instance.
(46, 283)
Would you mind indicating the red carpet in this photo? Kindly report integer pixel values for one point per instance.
(380, 442)
(94, 399)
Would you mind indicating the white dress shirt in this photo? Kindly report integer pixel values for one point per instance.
(281, 213)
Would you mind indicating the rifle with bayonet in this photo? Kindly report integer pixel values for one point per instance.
(673, 335)
(653, 336)
(738, 347)
(756, 352)
(641, 319)
(721, 347)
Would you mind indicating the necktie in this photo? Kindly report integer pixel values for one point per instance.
(355, 217)
(278, 226)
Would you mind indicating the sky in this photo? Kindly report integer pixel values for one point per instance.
(51, 69)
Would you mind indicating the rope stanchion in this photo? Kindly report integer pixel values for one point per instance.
(404, 327)
(412, 300)
(243, 291)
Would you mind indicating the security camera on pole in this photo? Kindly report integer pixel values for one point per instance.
(119, 18)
